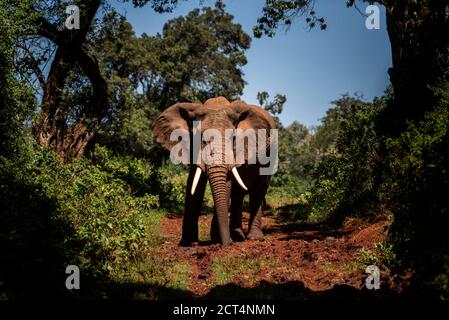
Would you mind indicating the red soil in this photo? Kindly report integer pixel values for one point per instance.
(294, 260)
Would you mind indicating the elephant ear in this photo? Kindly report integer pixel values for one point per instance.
(251, 116)
(177, 116)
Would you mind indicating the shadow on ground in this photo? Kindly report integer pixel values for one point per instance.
(291, 290)
(295, 290)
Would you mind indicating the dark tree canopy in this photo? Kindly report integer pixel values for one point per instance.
(197, 56)
(201, 56)
(419, 41)
(102, 69)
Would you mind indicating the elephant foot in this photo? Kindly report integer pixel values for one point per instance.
(217, 240)
(237, 235)
(255, 234)
(227, 243)
(188, 243)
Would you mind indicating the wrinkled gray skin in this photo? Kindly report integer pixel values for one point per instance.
(218, 113)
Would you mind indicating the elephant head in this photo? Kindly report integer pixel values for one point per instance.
(224, 117)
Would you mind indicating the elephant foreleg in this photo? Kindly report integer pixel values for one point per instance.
(192, 209)
(255, 220)
(235, 224)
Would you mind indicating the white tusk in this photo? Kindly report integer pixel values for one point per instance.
(196, 178)
(237, 177)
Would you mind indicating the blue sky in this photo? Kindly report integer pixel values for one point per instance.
(311, 68)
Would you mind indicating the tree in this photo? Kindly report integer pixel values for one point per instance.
(419, 42)
(397, 155)
(16, 101)
(274, 107)
(197, 56)
(52, 128)
(69, 129)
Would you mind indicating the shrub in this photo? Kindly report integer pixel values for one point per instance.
(81, 213)
(346, 179)
(172, 181)
(106, 215)
(136, 172)
(418, 181)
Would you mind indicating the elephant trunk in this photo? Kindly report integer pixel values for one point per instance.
(218, 183)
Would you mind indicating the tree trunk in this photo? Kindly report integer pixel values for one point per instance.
(52, 129)
(419, 58)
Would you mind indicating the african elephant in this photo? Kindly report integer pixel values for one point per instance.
(229, 180)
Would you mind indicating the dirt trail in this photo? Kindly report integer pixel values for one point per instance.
(294, 261)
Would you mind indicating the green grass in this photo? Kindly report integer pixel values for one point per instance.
(228, 268)
(179, 276)
(155, 276)
(328, 267)
(204, 231)
(380, 255)
(353, 266)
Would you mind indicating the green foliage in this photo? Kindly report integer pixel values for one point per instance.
(381, 255)
(136, 172)
(365, 171)
(100, 213)
(417, 190)
(197, 56)
(291, 178)
(325, 200)
(104, 213)
(90, 215)
(340, 161)
(173, 180)
(274, 107)
(35, 240)
(16, 100)
(159, 6)
(201, 55)
(277, 13)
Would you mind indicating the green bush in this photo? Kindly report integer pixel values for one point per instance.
(36, 241)
(346, 179)
(417, 185)
(284, 193)
(106, 215)
(172, 181)
(82, 213)
(369, 171)
(136, 172)
(381, 255)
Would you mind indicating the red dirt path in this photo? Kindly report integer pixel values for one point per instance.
(294, 260)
